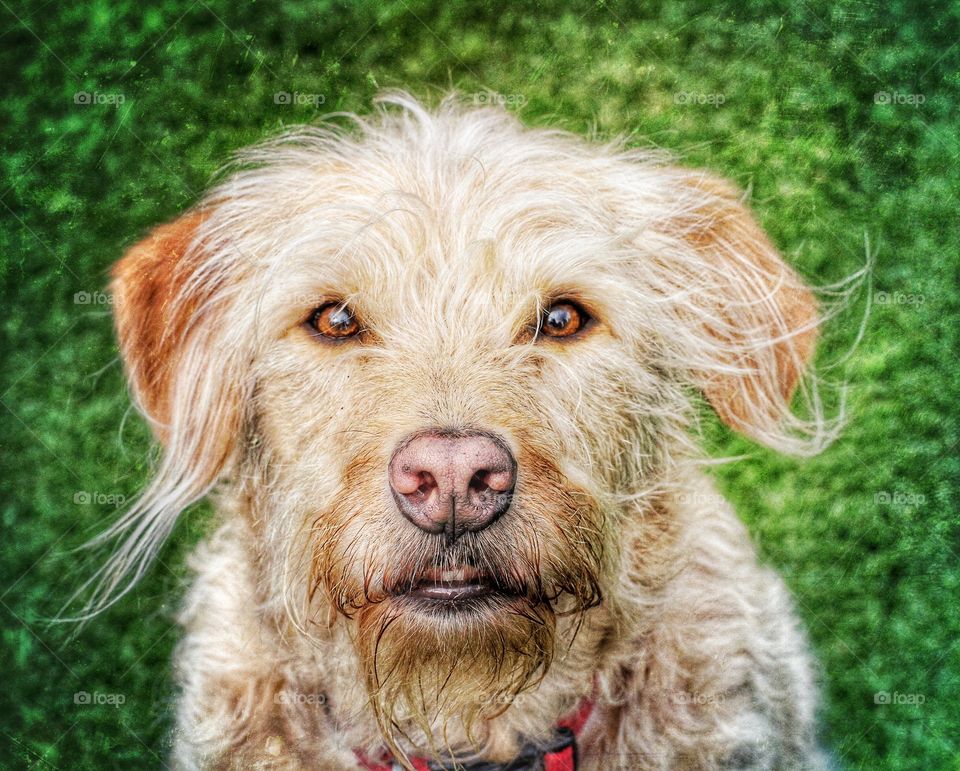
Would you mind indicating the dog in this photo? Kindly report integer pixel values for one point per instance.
(442, 374)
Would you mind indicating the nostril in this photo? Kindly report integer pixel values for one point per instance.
(478, 482)
(498, 481)
(427, 484)
(490, 489)
(409, 480)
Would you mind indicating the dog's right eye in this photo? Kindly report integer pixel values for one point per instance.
(563, 319)
(334, 321)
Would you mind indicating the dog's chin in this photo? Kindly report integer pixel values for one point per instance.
(452, 647)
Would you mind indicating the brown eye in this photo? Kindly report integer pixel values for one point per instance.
(563, 319)
(335, 320)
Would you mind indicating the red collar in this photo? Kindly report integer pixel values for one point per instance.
(559, 754)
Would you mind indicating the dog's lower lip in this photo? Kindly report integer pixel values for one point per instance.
(452, 591)
(451, 584)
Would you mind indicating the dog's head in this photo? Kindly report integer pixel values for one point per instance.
(446, 360)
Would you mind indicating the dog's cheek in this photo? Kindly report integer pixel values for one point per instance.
(613, 413)
(299, 418)
(303, 400)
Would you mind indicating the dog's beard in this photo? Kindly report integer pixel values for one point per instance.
(435, 675)
(435, 671)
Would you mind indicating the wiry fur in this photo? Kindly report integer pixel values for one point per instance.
(447, 232)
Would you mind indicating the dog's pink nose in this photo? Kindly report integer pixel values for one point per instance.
(452, 483)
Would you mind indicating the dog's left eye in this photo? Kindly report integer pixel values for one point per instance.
(334, 320)
(563, 319)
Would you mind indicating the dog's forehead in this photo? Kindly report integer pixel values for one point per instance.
(431, 227)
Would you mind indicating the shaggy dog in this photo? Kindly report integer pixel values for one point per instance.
(442, 373)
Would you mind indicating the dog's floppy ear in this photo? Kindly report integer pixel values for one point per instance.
(152, 318)
(170, 307)
(757, 319)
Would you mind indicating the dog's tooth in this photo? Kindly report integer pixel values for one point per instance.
(460, 574)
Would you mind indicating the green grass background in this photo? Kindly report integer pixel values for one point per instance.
(830, 169)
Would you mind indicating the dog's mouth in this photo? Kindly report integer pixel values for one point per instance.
(451, 585)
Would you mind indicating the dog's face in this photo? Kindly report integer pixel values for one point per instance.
(448, 362)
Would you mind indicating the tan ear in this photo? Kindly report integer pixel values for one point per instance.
(766, 316)
(151, 316)
(170, 305)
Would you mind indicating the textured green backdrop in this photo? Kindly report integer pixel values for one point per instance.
(841, 117)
